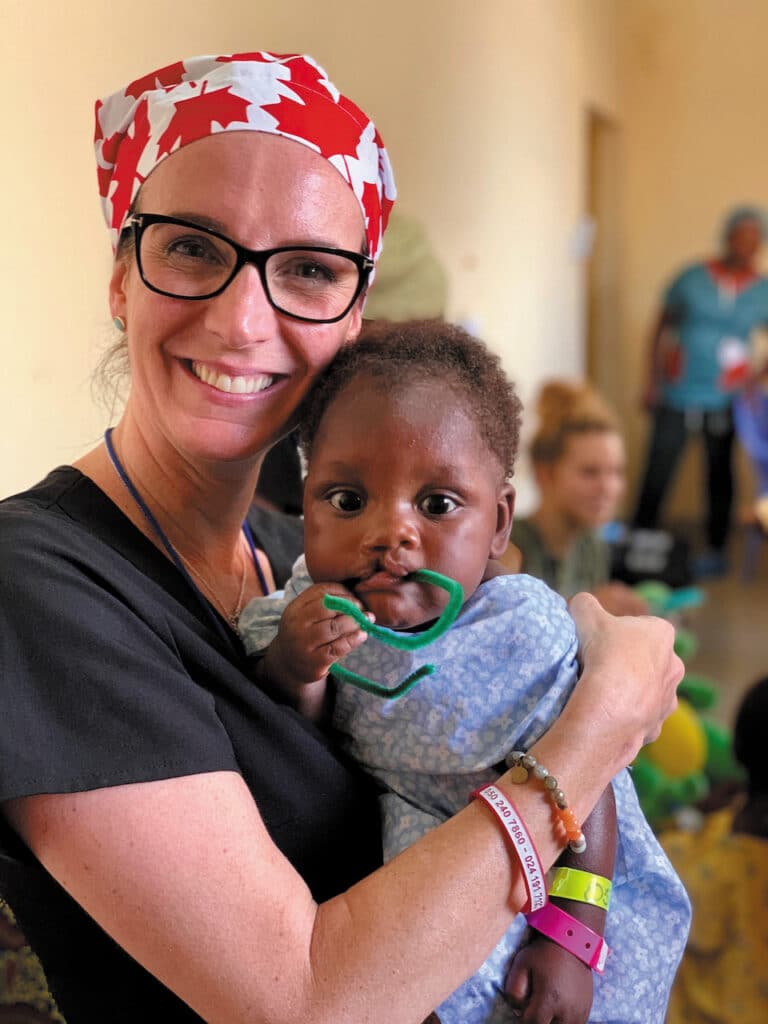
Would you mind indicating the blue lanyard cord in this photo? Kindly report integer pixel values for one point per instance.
(157, 529)
(256, 564)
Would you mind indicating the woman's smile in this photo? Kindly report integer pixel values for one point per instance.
(231, 383)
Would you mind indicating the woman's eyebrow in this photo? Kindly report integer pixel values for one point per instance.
(201, 219)
(212, 224)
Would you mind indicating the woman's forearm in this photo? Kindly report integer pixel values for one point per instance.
(457, 890)
(183, 874)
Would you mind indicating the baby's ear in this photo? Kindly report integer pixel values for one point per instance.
(505, 508)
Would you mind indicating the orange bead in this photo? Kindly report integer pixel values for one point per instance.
(568, 819)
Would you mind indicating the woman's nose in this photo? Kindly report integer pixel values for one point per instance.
(242, 314)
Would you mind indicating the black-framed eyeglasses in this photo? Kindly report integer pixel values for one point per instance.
(183, 260)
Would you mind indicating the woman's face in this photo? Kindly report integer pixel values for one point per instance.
(586, 483)
(262, 191)
(744, 241)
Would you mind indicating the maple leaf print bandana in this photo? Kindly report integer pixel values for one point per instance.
(288, 95)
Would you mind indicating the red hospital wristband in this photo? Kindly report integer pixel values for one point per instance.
(521, 843)
(566, 931)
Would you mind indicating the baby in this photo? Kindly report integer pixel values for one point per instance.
(410, 440)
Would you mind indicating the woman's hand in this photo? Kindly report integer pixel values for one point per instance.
(619, 599)
(630, 677)
(650, 396)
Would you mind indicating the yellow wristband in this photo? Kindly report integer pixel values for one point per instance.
(572, 884)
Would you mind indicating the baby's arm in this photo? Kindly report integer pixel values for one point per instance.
(309, 640)
(545, 981)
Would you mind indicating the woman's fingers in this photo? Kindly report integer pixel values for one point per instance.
(630, 667)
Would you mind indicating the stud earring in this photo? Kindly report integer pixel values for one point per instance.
(119, 323)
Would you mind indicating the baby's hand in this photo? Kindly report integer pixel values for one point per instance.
(545, 983)
(311, 637)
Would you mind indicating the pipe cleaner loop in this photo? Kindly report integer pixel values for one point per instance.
(401, 641)
(346, 675)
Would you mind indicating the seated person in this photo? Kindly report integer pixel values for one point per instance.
(579, 464)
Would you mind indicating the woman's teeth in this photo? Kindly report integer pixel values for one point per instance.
(232, 385)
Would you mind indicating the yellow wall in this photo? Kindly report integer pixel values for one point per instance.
(482, 108)
(695, 83)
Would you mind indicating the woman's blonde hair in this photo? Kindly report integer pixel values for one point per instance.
(565, 408)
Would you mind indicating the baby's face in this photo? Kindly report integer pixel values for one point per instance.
(400, 480)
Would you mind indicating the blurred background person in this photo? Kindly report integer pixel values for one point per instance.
(579, 466)
(411, 280)
(723, 978)
(699, 359)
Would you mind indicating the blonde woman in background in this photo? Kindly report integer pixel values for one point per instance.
(579, 465)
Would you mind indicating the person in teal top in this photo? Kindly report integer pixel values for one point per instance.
(700, 358)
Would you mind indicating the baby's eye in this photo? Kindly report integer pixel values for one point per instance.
(437, 504)
(345, 501)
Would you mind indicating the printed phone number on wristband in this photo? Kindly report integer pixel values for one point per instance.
(522, 844)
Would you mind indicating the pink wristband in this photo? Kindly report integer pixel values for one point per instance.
(566, 931)
(521, 843)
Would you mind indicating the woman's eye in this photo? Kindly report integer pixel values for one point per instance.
(311, 270)
(304, 269)
(437, 504)
(194, 249)
(345, 501)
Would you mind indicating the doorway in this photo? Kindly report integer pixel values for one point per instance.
(605, 365)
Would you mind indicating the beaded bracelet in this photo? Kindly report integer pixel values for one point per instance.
(582, 886)
(521, 765)
(521, 843)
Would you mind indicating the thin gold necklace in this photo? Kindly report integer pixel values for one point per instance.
(173, 554)
(233, 616)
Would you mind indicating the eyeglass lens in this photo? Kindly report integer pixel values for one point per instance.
(192, 263)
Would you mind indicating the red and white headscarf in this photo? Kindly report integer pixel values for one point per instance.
(288, 95)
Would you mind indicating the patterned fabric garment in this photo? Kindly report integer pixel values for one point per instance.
(504, 671)
(288, 95)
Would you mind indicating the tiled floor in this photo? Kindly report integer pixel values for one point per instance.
(732, 629)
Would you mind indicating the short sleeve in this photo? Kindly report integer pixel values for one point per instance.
(95, 690)
(260, 619)
(674, 299)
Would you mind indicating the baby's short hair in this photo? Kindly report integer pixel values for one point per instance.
(426, 350)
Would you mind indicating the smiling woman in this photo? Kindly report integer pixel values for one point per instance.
(234, 336)
(176, 844)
